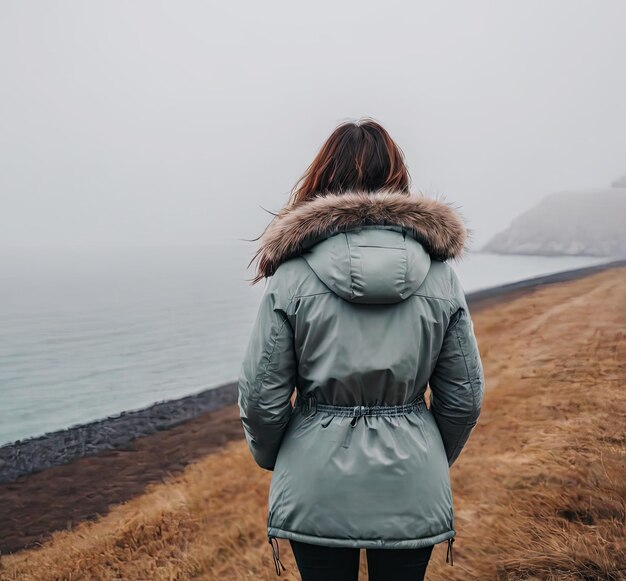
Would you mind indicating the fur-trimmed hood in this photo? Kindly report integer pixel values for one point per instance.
(435, 224)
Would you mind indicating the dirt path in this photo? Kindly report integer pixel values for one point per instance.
(540, 490)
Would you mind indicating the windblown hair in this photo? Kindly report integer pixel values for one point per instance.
(358, 156)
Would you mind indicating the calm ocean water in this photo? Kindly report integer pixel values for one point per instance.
(86, 334)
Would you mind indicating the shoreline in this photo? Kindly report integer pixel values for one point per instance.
(488, 297)
(537, 490)
(118, 432)
(129, 452)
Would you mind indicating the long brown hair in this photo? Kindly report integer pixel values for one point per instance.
(358, 156)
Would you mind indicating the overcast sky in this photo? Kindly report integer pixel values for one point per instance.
(148, 123)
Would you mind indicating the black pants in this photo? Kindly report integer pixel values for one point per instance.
(317, 563)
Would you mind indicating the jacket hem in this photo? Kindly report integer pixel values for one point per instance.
(361, 543)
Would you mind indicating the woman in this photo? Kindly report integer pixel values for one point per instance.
(361, 313)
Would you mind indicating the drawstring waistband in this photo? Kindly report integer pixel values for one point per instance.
(309, 407)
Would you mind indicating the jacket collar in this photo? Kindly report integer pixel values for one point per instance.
(433, 223)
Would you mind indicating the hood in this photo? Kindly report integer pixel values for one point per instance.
(365, 247)
(370, 264)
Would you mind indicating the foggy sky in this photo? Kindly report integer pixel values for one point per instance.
(149, 123)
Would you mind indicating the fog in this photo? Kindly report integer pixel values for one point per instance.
(167, 123)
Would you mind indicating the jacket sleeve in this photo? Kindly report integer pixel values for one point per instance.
(457, 382)
(267, 379)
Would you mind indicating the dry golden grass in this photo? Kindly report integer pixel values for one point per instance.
(539, 491)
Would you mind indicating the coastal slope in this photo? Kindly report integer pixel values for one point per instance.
(539, 490)
(585, 223)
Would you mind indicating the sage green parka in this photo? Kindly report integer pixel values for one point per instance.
(361, 308)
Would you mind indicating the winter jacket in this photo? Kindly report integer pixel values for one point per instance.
(361, 309)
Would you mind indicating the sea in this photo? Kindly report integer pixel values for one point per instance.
(88, 333)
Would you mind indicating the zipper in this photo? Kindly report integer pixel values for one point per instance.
(449, 551)
(275, 554)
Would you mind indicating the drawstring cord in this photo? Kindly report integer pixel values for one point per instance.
(449, 551)
(276, 555)
(346, 440)
(357, 412)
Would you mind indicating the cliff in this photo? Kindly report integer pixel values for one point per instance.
(583, 223)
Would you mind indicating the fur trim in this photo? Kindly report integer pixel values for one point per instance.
(432, 222)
